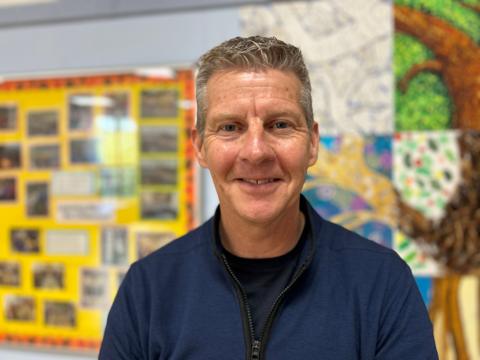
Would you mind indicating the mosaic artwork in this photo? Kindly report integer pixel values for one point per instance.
(427, 170)
(446, 226)
(422, 264)
(426, 175)
(351, 185)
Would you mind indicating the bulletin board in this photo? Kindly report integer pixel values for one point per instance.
(95, 173)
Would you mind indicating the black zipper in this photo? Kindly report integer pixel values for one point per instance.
(276, 304)
(253, 345)
(256, 345)
(255, 348)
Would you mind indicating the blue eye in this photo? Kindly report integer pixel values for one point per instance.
(228, 127)
(280, 125)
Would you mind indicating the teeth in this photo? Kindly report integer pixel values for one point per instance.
(259, 182)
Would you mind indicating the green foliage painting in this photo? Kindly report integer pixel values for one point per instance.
(424, 98)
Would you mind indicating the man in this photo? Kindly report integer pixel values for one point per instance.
(266, 277)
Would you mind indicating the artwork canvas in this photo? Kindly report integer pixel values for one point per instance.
(437, 161)
(351, 185)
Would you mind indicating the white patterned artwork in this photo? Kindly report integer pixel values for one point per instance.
(347, 47)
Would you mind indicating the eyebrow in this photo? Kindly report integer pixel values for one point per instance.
(282, 113)
(269, 113)
(227, 116)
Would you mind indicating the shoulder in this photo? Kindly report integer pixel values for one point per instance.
(342, 239)
(337, 238)
(348, 250)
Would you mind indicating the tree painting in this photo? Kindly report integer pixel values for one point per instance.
(437, 71)
(438, 43)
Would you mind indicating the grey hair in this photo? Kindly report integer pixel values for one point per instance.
(252, 53)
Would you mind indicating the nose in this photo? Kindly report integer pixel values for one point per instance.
(256, 147)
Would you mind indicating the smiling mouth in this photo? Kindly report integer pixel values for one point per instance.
(259, 181)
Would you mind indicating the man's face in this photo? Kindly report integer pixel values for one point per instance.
(256, 143)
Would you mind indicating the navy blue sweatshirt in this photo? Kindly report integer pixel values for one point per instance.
(350, 299)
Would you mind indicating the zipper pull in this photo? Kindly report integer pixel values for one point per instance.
(256, 350)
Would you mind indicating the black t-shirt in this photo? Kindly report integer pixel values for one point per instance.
(264, 279)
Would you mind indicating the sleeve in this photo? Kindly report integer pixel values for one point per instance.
(122, 336)
(405, 330)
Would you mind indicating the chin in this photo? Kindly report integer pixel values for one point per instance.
(257, 218)
(259, 215)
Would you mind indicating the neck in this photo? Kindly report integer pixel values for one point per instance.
(255, 240)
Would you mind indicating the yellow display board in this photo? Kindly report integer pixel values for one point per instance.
(95, 173)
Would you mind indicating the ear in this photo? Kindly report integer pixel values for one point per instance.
(198, 147)
(314, 139)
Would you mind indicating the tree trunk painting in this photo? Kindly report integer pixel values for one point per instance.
(456, 60)
(454, 240)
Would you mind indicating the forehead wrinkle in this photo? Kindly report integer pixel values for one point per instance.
(254, 91)
(280, 112)
(249, 93)
(253, 109)
(251, 106)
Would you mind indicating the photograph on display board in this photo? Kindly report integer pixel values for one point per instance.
(94, 291)
(80, 112)
(117, 181)
(59, 313)
(83, 151)
(25, 240)
(45, 156)
(148, 242)
(155, 139)
(156, 103)
(42, 123)
(159, 172)
(85, 211)
(8, 117)
(48, 276)
(117, 105)
(9, 273)
(37, 199)
(73, 183)
(19, 308)
(158, 205)
(8, 189)
(10, 157)
(114, 245)
(67, 242)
